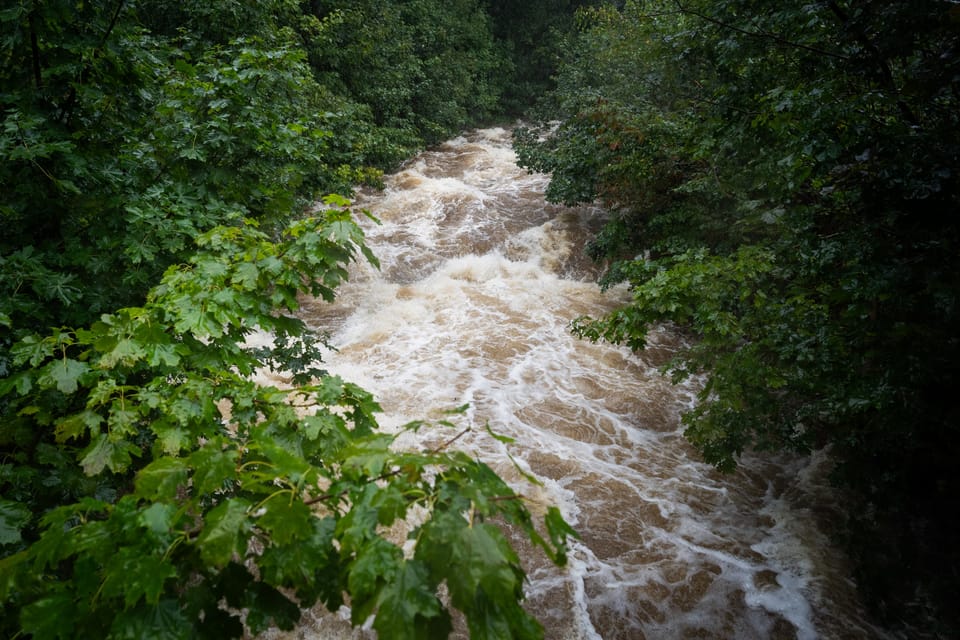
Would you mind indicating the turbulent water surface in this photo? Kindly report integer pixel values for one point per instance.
(480, 279)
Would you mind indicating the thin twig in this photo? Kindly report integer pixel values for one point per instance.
(345, 492)
(449, 442)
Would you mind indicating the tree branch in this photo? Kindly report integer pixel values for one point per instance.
(882, 64)
(449, 442)
(35, 50)
(67, 109)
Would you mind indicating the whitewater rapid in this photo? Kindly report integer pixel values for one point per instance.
(480, 279)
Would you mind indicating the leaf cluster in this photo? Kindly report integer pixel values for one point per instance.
(152, 489)
(425, 68)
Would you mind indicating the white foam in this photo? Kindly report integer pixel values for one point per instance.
(473, 305)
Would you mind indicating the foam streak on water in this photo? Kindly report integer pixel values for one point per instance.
(479, 281)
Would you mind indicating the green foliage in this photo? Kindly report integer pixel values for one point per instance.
(152, 157)
(533, 34)
(112, 176)
(425, 68)
(783, 182)
(148, 479)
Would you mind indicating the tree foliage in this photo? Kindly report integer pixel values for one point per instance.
(533, 34)
(426, 68)
(784, 184)
(147, 478)
(160, 162)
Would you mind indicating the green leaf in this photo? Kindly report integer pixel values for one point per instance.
(162, 621)
(343, 231)
(212, 467)
(62, 538)
(286, 521)
(122, 421)
(369, 455)
(77, 425)
(376, 564)
(162, 355)
(223, 532)
(102, 392)
(391, 504)
(322, 422)
(311, 566)
(172, 440)
(64, 373)
(22, 382)
(245, 275)
(408, 608)
(162, 479)
(483, 558)
(158, 518)
(52, 616)
(483, 574)
(13, 518)
(559, 530)
(12, 567)
(330, 390)
(158, 346)
(360, 523)
(126, 352)
(133, 573)
(105, 452)
(498, 437)
(31, 348)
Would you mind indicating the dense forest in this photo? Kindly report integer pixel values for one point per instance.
(782, 183)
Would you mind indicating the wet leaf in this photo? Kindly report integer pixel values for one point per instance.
(376, 563)
(408, 608)
(162, 621)
(132, 574)
(50, 617)
(158, 518)
(13, 518)
(105, 452)
(212, 467)
(223, 532)
(64, 374)
(77, 425)
(286, 521)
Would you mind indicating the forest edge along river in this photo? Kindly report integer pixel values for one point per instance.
(479, 281)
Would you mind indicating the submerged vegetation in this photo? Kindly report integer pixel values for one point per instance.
(782, 182)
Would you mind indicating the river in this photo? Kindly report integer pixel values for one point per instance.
(480, 279)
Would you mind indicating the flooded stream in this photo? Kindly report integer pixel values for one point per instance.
(480, 279)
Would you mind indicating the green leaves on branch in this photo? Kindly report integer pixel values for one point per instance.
(213, 489)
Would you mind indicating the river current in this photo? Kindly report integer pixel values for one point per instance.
(479, 280)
